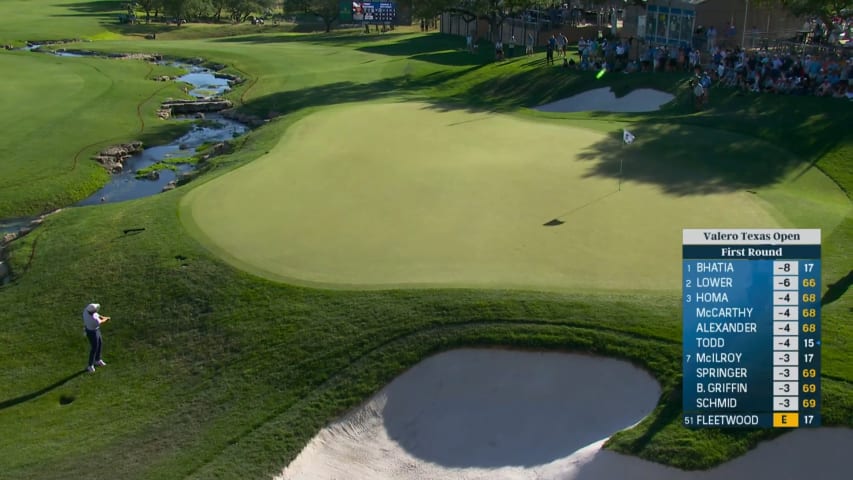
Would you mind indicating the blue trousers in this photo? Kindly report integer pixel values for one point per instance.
(95, 342)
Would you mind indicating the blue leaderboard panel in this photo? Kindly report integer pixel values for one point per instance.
(751, 319)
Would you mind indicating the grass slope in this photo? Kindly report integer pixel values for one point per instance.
(62, 111)
(214, 373)
(40, 20)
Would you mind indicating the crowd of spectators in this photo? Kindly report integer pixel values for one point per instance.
(758, 70)
(770, 72)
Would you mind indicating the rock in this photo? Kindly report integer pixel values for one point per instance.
(164, 114)
(113, 157)
(185, 178)
(153, 175)
(199, 115)
(10, 237)
(169, 186)
(222, 148)
(227, 76)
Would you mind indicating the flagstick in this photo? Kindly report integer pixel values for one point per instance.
(620, 173)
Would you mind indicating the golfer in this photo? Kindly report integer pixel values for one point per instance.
(92, 321)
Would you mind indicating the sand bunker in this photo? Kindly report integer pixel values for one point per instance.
(497, 414)
(604, 100)
(481, 414)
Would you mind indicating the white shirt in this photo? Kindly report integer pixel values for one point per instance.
(92, 321)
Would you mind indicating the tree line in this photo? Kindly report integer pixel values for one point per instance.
(495, 12)
(237, 11)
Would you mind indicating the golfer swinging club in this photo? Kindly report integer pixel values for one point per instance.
(92, 322)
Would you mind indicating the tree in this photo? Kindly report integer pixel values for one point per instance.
(295, 6)
(429, 8)
(241, 9)
(826, 10)
(148, 6)
(176, 9)
(216, 8)
(328, 10)
(493, 11)
(195, 9)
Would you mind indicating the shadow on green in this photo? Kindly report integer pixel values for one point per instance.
(687, 160)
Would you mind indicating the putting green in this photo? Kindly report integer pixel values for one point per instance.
(389, 195)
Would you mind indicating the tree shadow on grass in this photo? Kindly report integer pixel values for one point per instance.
(687, 160)
(342, 92)
(435, 48)
(108, 12)
(338, 38)
(24, 398)
(741, 143)
(532, 87)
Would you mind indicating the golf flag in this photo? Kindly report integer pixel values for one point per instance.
(627, 136)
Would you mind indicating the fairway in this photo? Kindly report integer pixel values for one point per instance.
(385, 195)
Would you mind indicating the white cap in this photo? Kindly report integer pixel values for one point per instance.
(93, 307)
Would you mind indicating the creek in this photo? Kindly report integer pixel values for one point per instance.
(203, 83)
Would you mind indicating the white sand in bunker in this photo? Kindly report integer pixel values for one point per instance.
(487, 414)
(605, 100)
(478, 414)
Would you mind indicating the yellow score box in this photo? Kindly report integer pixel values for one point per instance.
(786, 420)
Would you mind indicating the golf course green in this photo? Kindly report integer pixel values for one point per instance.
(396, 197)
(381, 195)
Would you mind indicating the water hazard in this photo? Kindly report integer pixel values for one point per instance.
(205, 83)
(202, 83)
(126, 186)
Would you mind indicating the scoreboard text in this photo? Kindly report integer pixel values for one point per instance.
(374, 12)
(751, 319)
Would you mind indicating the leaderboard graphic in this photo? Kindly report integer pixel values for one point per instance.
(374, 12)
(751, 319)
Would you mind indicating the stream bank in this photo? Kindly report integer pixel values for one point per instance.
(138, 171)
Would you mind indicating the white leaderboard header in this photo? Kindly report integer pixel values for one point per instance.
(751, 236)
